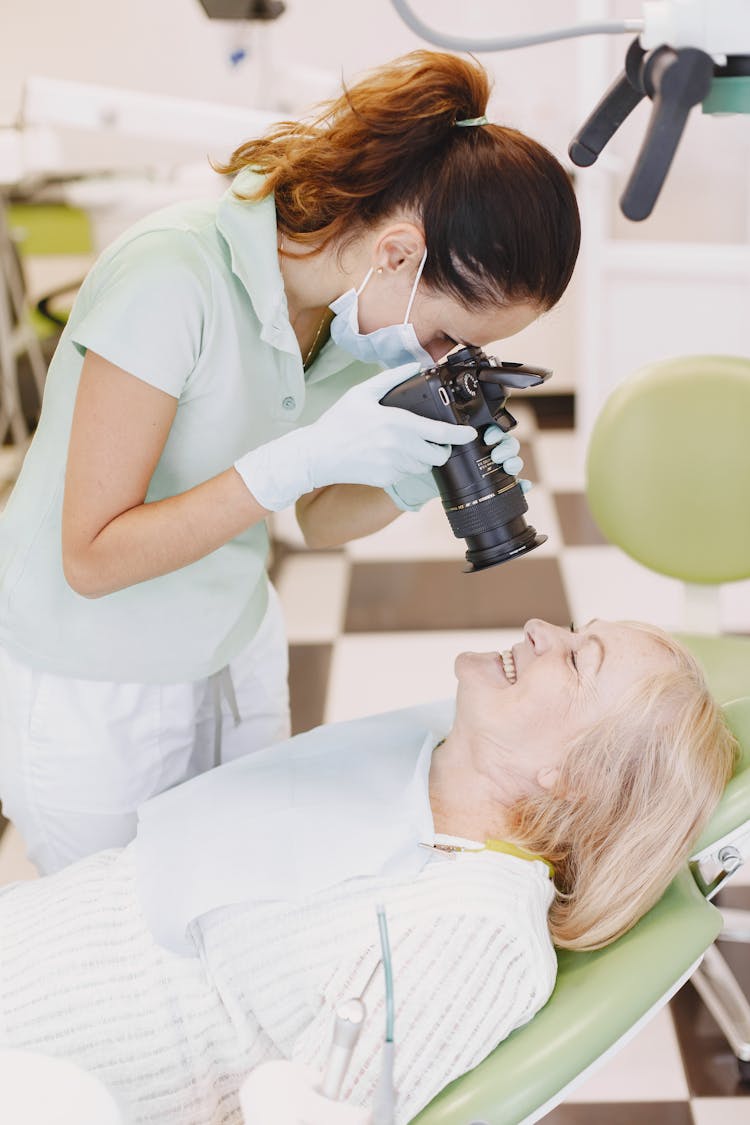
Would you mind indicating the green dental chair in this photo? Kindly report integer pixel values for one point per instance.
(602, 999)
(29, 334)
(668, 482)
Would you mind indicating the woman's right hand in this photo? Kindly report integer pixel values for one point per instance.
(356, 441)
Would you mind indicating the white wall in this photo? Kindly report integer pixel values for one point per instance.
(170, 47)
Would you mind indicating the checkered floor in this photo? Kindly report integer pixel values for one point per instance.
(377, 625)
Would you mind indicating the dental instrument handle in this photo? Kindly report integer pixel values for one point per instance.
(350, 1017)
(384, 1103)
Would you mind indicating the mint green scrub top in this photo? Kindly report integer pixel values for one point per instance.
(191, 301)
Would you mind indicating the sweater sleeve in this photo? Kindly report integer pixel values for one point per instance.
(462, 983)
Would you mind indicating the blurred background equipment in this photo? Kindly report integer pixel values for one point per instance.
(688, 52)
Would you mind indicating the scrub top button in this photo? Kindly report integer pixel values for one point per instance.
(289, 402)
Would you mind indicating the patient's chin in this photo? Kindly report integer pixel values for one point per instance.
(480, 668)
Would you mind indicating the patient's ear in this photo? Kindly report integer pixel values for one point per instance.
(547, 777)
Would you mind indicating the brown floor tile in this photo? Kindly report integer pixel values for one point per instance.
(710, 1066)
(553, 412)
(530, 470)
(309, 667)
(576, 522)
(622, 1113)
(737, 897)
(397, 596)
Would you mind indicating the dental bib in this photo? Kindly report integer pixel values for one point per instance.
(345, 800)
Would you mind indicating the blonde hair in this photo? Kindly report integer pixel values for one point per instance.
(635, 791)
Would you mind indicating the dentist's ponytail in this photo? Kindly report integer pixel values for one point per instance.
(499, 212)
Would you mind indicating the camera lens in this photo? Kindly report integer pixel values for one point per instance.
(494, 528)
(486, 507)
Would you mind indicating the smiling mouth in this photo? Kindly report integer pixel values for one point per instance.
(509, 665)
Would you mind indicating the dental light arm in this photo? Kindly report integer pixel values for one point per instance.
(508, 42)
(687, 52)
(675, 81)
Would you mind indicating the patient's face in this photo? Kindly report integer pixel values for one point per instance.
(551, 685)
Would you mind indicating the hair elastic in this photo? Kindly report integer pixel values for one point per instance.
(473, 121)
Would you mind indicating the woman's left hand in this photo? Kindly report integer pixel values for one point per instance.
(411, 493)
(505, 452)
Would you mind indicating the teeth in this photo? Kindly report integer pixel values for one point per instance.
(509, 665)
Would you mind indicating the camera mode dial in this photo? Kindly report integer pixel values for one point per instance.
(465, 387)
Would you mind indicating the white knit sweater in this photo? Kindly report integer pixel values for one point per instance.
(81, 977)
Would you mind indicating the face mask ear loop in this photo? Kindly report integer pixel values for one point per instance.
(414, 287)
(368, 275)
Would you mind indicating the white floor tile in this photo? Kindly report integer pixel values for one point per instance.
(284, 527)
(13, 862)
(647, 1069)
(414, 535)
(604, 582)
(313, 589)
(428, 535)
(526, 418)
(542, 515)
(372, 672)
(560, 456)
(735, 609)
(720, 1111)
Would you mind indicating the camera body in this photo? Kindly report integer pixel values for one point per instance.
(484, 505)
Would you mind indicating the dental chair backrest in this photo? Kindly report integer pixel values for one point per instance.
(668, 481)
(602, 999)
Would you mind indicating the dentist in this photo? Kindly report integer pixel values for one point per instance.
(224, 361)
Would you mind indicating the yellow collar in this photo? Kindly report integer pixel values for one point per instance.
(495, 846)
(520, 853)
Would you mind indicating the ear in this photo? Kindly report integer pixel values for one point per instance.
(397, 246)
(547, 777)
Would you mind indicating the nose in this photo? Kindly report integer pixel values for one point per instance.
(542, 635)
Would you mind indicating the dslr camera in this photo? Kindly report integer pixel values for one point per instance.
(484, 505)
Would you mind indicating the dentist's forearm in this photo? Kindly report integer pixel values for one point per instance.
(332, 516)
(154, 539)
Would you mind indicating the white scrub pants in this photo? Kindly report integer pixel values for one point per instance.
(77, 757)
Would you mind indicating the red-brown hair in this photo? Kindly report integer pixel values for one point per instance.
(498, 211)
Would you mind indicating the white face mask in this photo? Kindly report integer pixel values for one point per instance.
(390, 346)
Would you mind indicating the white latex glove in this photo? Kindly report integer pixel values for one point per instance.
(505, 453)
(284, 1093)
(411, 493)
(356, 441)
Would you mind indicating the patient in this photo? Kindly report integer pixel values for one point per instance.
(227, 933)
